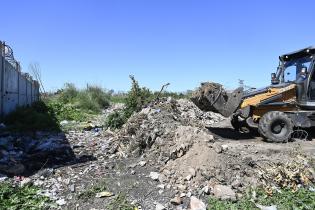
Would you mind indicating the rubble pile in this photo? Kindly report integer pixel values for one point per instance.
(155, 128)
(166, 155)
(172, 134)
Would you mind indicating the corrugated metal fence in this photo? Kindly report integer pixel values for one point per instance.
(16, 88)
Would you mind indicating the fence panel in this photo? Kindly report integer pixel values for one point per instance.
(16, 88)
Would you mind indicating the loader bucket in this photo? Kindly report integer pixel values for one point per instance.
(213, 97)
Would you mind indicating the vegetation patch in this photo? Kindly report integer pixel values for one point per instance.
(93, 190)
(91, 99)
(284, 200)
(21, 198)
(33, 118)
(120, 203)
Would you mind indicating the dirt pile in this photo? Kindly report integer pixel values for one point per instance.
(156, 129)
(172, 136)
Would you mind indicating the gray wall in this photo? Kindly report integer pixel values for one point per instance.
(16, 88)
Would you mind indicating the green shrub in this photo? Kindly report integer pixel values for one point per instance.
(283, 199)
(120, 202)
(68, 93)
(91, 191)
(115, 120)
(65, 111)
(92, 99)
(102, 97)
(32, 118)
(21, 198)
(136, 98)
(118, 98)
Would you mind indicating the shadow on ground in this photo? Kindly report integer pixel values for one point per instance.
(24, 155)
(230, 133)
(25, 148)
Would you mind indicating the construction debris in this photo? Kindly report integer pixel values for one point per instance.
(169, 153)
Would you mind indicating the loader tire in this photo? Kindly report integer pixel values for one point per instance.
(275, 126)
(240, 125)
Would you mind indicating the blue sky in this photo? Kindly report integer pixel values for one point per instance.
(183, 42)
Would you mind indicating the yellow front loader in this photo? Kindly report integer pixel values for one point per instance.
(277, 110)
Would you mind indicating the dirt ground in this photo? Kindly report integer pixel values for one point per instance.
(236, 167)
(170, 150)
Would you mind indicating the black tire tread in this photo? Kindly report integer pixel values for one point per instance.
(264, 125)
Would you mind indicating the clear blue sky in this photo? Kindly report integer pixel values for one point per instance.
(183, 42)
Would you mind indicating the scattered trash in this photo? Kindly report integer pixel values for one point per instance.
(61, 202)
(154, 175)
(104, 194)
(266, 207)
(196, 204)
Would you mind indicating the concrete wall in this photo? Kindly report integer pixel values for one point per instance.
(16, 88)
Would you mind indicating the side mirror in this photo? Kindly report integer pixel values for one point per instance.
(274, 80)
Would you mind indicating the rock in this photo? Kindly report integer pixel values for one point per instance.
(176, 201)
(224, 147)
(61, 202)
(142, 163)
(224, 192)
(182, 187)
(72, 188)
(154, 176)
(206, 190)
(196, 204)
(159, 206)
(3, 177)
(25, 181)
(189, 177)
(64, 122)
(162, 178)
(192, 172)
(104, 194)
(266, 207)
(236, 184)
(217, 148)
(182, 195)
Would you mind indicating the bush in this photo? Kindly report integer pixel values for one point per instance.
(65, 111)
(19, 198)
(136, 98)
(32, 118)
(68, 93)
(283, 199)
(115, 120)
(92, 98)
(102, 97)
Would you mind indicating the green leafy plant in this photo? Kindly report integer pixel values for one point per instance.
(93, 190)
(136, 98)
(32, 118)
(65, 111)
(92, 99)
(21, 198)
(115, 120)
(284, 199)
(120, 203)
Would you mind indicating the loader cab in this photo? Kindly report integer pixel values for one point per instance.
(298, 68)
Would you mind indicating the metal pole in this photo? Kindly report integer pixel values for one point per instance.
(18, 83)
(2, 46)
